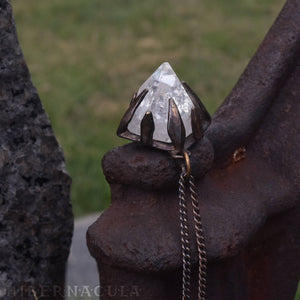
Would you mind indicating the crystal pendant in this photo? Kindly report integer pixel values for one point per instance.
(165, 114)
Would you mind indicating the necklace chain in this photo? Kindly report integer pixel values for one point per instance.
(184, 182)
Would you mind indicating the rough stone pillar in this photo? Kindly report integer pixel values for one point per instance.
(247, 171)
(36, 220)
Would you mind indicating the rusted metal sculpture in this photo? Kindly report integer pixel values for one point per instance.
(247, 175)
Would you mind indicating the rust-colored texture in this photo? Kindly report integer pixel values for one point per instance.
(247, 170)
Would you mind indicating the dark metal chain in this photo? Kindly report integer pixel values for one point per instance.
(185, 243)
(200, 241)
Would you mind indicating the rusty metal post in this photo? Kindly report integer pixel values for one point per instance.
(247, 176)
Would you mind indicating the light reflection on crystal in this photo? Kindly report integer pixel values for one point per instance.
(162, 85)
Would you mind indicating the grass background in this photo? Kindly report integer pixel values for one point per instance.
(88, 57)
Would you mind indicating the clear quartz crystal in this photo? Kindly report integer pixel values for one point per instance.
(162, 85)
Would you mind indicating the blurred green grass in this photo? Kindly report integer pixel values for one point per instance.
(88, 57)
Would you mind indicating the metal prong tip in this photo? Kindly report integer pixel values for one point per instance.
(175, 128)
(147, 129)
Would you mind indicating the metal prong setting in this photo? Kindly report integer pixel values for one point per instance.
(133, 97)
(135, 102)
(202, 114)
(176, 128)
(147, 129)
(196, 123)
(200, 120)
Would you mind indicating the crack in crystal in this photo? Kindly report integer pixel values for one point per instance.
(162, 85)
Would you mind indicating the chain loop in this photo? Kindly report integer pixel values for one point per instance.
(185, 243)
(202, 261)
(186, 179)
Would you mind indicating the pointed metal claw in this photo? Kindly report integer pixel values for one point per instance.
(147, 129)
(203, 115)
(133, 97)
(196, 123)
(176, 128)
(135, 102)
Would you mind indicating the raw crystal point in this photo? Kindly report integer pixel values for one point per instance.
(162, 85)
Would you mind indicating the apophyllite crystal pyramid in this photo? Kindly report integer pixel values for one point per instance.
(165, 113)
(162, 85)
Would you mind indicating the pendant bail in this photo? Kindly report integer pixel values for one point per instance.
(187, 164)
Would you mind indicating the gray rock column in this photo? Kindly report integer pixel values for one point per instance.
(36, 220)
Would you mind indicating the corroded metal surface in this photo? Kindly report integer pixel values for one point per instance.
(247, 172)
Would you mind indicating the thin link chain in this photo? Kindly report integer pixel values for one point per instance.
(185, 243)
(200, 241)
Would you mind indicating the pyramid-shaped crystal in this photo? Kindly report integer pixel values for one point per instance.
(162, 85)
